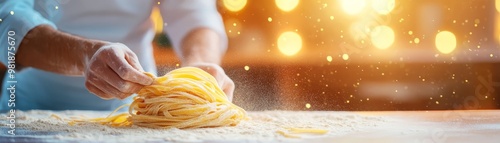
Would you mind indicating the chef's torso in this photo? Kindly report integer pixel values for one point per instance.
(124, 21)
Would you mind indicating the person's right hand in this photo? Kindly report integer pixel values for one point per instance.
(114, 72)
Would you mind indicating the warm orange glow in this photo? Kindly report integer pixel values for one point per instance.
(383, 6)
(497, 5)
(353, 7)
(234, 5)
(157, 20)
(416, 40)
(345, 57)
(329, 58)
(382, 37)
(286, 5)
(446, 42)
(497, 27)
(289, 43)
(233, 27)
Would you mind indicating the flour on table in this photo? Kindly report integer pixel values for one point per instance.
(261, 127)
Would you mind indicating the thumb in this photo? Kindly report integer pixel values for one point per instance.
(133, 61)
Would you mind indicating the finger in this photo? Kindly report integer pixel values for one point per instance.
(111, 78)
(133, 61)
(127, 72)
(221, 76)
(228, 88)
(96, 91)
(217, 72)
(118, 83)
(220, 80)
(107, 88)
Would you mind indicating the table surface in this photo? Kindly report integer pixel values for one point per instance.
(442, 126)
(402, 126)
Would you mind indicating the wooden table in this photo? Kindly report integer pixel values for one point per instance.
(480, 126)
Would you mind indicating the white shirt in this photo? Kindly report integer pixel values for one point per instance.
(123, 21)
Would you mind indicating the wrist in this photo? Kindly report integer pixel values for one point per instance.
(190, 61)
(91, 47)
(201, 46)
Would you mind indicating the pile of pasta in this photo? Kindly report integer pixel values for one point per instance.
(183, 98)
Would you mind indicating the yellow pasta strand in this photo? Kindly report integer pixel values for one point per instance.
(307, 130)
(183, 98)
(56, 117)
(293, 132)
(283, 133)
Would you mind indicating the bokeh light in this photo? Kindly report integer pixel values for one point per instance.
(289, 43)
(383, 6)
(446, 42)
(375, 49)
(416, 40)
(233, 27)
(286, 5)
(345, 57)
(360, 30)
(497, 5)
(234, 5)
(382, 37)
(353, 7)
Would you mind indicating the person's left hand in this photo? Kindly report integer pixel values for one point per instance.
(225, 83)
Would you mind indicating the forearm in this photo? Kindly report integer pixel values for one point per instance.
(201, 45)
(202, 48)
(47, 49)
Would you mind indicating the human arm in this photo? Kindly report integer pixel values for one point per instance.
(111, 69)
(197, 33)
(201, 48)
(40, 45)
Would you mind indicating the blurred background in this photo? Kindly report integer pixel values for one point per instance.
(358, 54)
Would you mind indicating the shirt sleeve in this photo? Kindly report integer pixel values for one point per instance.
(183, 16)
(18, 17)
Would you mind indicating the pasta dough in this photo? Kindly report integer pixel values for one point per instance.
(183, 98)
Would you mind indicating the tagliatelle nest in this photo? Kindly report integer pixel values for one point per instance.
(183, 98)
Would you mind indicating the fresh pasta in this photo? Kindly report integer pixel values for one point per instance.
(294, 132)
(183, 98)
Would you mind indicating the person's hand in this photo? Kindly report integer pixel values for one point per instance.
(114, 72)
(225, 83)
